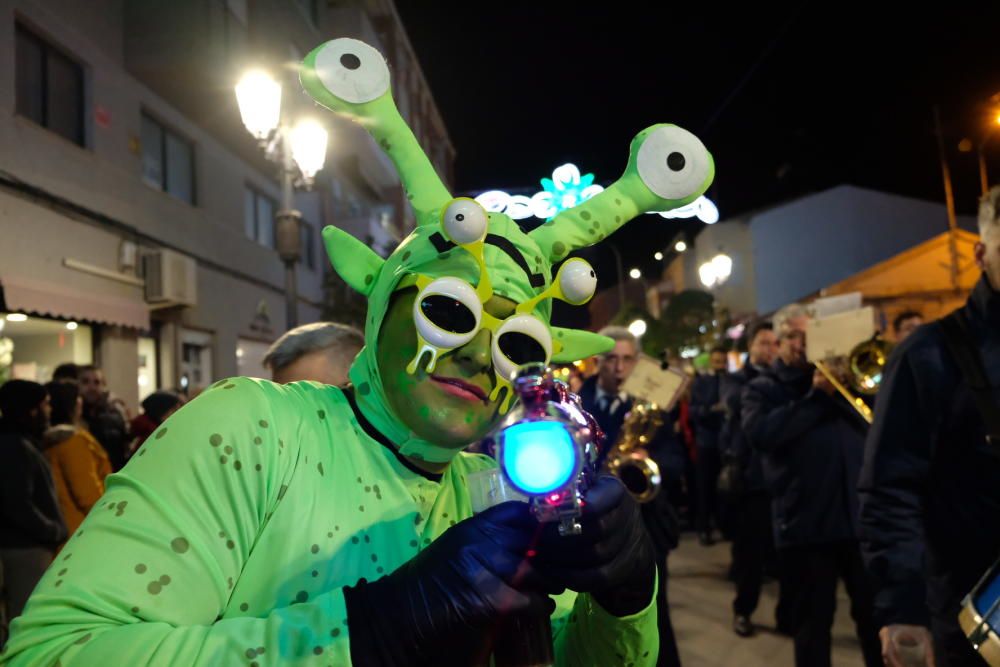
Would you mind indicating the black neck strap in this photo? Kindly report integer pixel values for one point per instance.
(377, 436)
(965, 353)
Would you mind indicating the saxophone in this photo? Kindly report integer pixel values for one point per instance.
(629, 458)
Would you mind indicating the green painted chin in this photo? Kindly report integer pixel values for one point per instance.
(435, 407)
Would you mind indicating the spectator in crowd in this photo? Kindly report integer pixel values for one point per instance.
(67, 371)
(320, 352)
(31, 525)
(155, 409)
(79, 464)
(105, 416)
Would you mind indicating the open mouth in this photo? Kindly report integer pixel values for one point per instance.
(460, 388)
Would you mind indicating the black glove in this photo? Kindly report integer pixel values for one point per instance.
(439, 607)
(612, 559)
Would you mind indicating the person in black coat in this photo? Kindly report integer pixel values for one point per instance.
(31, 524)
(603, 396)
(930, 486)
(812, 443)
(708, 414)
(105, 417)
(750, 502)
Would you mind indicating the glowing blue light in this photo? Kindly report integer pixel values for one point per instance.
(538, 457)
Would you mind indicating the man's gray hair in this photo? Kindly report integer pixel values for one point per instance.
(784, 314)
(989, 212)
(617, 333)
(340, 339)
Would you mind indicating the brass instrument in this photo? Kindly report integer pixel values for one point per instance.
(865, 365)
(629, 459)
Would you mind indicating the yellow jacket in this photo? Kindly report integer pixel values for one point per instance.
(79, 465)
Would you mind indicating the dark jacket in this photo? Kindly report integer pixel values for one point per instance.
(812, 446)
(930, 487)
(706, 392)
(733, 443)
(29, 512)
(108, 425)
(610, 422)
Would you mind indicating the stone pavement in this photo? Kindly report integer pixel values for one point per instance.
(701, 609)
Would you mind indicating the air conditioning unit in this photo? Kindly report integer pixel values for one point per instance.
(171, 279)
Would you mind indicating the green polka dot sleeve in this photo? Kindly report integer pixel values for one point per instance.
(585, 635)
(149, 577)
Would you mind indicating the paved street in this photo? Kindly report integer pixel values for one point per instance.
(700, 605)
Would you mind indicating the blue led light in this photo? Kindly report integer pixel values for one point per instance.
(538, 457)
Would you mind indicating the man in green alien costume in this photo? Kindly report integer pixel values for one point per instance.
(305, 525)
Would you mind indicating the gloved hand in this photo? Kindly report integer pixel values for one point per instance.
(612, 559)
(438, 607)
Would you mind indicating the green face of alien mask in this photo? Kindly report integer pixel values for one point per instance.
(460, 256)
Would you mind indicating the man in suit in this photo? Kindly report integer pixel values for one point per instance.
(602, 395)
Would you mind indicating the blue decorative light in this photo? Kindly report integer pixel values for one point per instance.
(538, 457)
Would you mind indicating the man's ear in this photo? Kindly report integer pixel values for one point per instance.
(979, 252)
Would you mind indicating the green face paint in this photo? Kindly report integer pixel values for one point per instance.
(667, 168)
(425, 402)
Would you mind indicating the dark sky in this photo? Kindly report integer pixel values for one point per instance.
(789, 100)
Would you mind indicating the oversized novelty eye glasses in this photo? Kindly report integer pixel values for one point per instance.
(448, 312)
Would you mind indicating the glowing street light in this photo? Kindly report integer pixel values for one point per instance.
(680, 246)
(635, 274)
(637, 328)
(716, 271)
(300, 153)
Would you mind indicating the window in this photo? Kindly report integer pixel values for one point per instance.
(307, 234)
(258, 217)
(167, 160)
(196, 360)
(49, 87)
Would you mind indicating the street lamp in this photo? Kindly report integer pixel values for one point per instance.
(680, 246)
(300, 153)
(716, 271)
(637, 328)
(635, 274)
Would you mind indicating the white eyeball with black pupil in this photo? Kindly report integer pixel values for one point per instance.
(520, 340)
(465, 221)
(447, 313)
(577, 281)
(673, 163)
(352, 70)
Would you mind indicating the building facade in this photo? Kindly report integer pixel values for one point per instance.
(137, 214)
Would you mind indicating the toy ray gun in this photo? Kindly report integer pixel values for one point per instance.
(546, 448)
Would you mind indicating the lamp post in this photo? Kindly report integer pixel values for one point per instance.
(299, 153)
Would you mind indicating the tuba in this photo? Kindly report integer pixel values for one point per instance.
(629, 458)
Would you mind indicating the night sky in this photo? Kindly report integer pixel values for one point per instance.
(789, 100)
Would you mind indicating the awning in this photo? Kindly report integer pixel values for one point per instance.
(63, 302)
